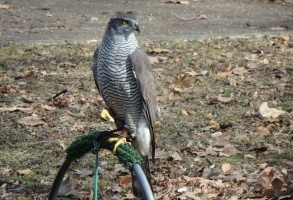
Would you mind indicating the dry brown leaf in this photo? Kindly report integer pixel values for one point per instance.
(15, 108)
(162, 154)
(222, 99)
(239, 70)
(62, 144)
(262, 130)
(173, 97)
(213, 123)
(277, 183)
(67, 64)
(5, 6)
(125, 180)
(175, 156)
(229, 150)
(25, 74)
(225, 74)
(252, 57)
(278, 28)
(185, 112)
(31, 121)
(184, 81)
(266, 177)
(217, 134)
(202, 17)
(192, 73)
(228, 55)
(25, 171)
(49, 108)
(226, 167)
(210, 150)
(153, 59)
(68, 187)
(267, 112)
(159, 50)
(83, 172)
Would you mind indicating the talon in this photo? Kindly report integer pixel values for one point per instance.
(106, 117)
(122, 140)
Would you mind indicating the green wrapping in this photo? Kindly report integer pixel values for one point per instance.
(98, 139)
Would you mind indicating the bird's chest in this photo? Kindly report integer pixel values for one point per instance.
(115, 72)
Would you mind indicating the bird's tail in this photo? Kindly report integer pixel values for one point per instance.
(136, 187)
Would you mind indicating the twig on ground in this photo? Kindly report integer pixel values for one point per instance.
(62, 92)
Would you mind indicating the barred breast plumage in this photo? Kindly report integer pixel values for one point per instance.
(116, 80)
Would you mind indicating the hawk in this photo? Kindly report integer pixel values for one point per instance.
(124, 77)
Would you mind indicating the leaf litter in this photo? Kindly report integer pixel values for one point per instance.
(217, 137)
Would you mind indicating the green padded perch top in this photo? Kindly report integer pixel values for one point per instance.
(100, 139)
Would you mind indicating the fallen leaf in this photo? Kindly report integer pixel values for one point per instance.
(192, 73)
(153, 59)
(68, 187)
(175, 156)
(159, 50)
(267, 112)
(213, 123)
(226, 167)
(262, 130)
(278, 28)
(66, 64)
(5, 6)
(228, 55)
(222, 99)
(217, 134)
(202, 17)
(239, 70)
(15, 108)
(162, 154)
(31, 121)
(184, 81)
(116, 188)
(83, 172)
(173, 96)
(210, 150)
(277, 183)
(25, 171)
(125, 180)
(48, 108)
(229, 150)
(185, 112)
(62, 144)
(249, 156)
(225, 74)
(252, 65)
(25, 74)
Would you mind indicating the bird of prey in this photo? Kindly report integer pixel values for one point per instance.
(124, 77)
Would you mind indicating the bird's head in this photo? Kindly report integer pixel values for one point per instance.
(124, 24)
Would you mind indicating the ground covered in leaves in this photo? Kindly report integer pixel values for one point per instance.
(225, 130)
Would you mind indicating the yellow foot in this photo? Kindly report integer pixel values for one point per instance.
(119, 141)
(105, 116)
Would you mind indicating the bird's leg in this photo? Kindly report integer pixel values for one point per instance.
(121, 140)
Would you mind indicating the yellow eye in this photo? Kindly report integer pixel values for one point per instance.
(124, 22)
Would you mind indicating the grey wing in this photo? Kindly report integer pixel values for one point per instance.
(146, 82)
(94, 67)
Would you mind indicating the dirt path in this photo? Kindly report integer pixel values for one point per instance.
(73, 20)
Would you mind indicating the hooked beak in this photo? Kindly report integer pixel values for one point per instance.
(135, 26)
